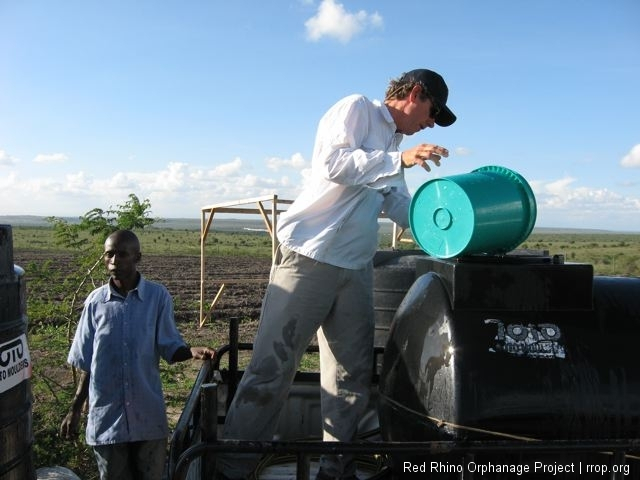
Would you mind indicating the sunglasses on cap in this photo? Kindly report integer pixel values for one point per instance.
(435, 107)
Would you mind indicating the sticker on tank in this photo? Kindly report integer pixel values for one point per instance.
(15, 362)
(533, 341)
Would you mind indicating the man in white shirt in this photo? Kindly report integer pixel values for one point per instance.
(322, 277)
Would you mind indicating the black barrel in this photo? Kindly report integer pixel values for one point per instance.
(527, 348)
(16, 436)
(394, 273)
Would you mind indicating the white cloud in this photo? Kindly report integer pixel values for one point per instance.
(632, 159)
(7, 184)
(332, 20)
(78, 182)
(122, 182)
(296, 161)
(180, 190)
(562, 204)
(51, 158)
(6, 159)
(174, 178)
(227, 169)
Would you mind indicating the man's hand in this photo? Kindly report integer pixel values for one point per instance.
(420, 154)
(202, 353)
(70, 425)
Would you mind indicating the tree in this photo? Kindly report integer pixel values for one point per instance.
(98, 224)
(87, 239)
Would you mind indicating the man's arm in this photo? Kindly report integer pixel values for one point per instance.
(70, 424)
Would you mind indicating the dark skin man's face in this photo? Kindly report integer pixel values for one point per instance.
(121, 258)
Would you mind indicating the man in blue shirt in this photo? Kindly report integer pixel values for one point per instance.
(322, 277)
(125, 327)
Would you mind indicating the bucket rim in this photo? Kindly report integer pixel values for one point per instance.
(531, 198)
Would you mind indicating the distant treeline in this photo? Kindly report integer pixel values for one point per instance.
(254, 223)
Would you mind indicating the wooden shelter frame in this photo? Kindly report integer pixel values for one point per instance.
(268, 207)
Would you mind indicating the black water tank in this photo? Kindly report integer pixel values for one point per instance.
(16, 437)
(394, 271)
(488, 348)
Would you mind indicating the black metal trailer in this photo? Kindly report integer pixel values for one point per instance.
(501, 367)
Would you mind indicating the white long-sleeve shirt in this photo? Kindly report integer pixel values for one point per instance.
(356, 174)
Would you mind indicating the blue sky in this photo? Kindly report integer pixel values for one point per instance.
(192, 102)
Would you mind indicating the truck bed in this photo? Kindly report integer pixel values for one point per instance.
(293, 454)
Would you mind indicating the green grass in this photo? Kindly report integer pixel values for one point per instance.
(160, 241)
(610, 254)
(53, 390)
(34, 238)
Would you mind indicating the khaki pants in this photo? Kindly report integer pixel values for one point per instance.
(304, 297)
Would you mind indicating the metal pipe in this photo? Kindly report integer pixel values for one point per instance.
(208, 425)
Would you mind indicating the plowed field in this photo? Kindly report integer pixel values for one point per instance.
(244, 278)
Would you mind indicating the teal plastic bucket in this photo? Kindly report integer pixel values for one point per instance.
(491, 210)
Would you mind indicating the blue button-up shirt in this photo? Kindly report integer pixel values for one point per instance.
(119, 341)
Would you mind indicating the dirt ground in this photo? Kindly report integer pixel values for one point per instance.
(244, 279)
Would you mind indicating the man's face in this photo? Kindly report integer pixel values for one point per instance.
(420, 114)
(121, 259)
